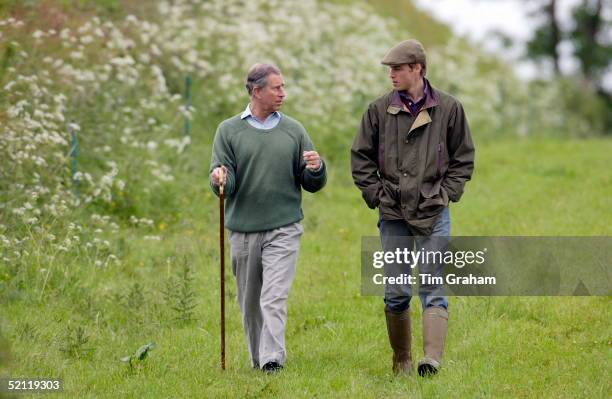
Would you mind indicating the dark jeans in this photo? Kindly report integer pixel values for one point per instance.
(396, 234)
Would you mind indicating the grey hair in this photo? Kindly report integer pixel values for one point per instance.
(258, 76)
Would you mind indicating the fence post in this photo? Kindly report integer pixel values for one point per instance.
(501, 108)
(187, 125)
(74, 146)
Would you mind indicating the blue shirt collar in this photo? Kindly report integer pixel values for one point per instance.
(247, 112)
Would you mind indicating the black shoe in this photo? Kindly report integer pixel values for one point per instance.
(271, 367)
(427, 370)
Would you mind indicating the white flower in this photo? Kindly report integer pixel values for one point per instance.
(144, 58)
(77, 55)
(131, 19)
(122, 61)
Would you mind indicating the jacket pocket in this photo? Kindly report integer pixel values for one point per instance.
(432, 197)
(390, 194)
(371, 195)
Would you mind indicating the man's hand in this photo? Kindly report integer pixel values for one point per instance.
(312, 159)
(218, 175)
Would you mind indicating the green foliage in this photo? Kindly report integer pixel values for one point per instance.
(585, 99)
(118, 84)
(180, 295)
(91, 260)
(587, 36)
(134, 298)
(546, 37)
(336, 339)
(27, 332)
(4, 352)
(110, 8)
(133, 302)
(74, 342)
(139, 356)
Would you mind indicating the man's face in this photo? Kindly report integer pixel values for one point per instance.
(272, 95)
(405, 76)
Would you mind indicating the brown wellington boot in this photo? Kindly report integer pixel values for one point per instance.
(435, 322)
(398, 328)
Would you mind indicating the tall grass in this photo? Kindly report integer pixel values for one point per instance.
(90, 263)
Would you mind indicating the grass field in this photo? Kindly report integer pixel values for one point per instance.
(142, 265)
(86, 318)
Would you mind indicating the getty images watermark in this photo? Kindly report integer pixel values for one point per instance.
(410, 259)
(513, 266)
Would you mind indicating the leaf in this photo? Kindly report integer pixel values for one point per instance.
(143, 351)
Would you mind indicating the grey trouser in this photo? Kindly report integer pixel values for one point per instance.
(264, 265)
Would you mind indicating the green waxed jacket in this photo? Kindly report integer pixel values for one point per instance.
(411, 166)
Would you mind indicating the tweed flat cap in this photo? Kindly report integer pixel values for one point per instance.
(407, 52)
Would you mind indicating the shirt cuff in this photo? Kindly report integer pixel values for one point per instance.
(319, 170)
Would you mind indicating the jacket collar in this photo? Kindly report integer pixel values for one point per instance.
(396, 105)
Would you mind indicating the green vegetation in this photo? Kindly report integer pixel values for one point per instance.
(92, 273)
(502, 347)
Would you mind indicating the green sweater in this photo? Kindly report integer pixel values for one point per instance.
(266, 172)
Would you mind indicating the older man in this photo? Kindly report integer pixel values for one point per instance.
(412, 155)
(264, 158)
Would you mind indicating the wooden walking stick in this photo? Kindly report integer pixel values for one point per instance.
(222, 256)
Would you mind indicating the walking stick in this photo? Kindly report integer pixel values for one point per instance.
(222, 255)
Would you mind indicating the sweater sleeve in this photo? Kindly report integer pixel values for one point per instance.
(222, 154)
(311, 180)
(364, 158)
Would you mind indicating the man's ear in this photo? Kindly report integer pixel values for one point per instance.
(256, 91)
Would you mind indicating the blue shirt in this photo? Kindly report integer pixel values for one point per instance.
(415, 107)
(270, 122)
